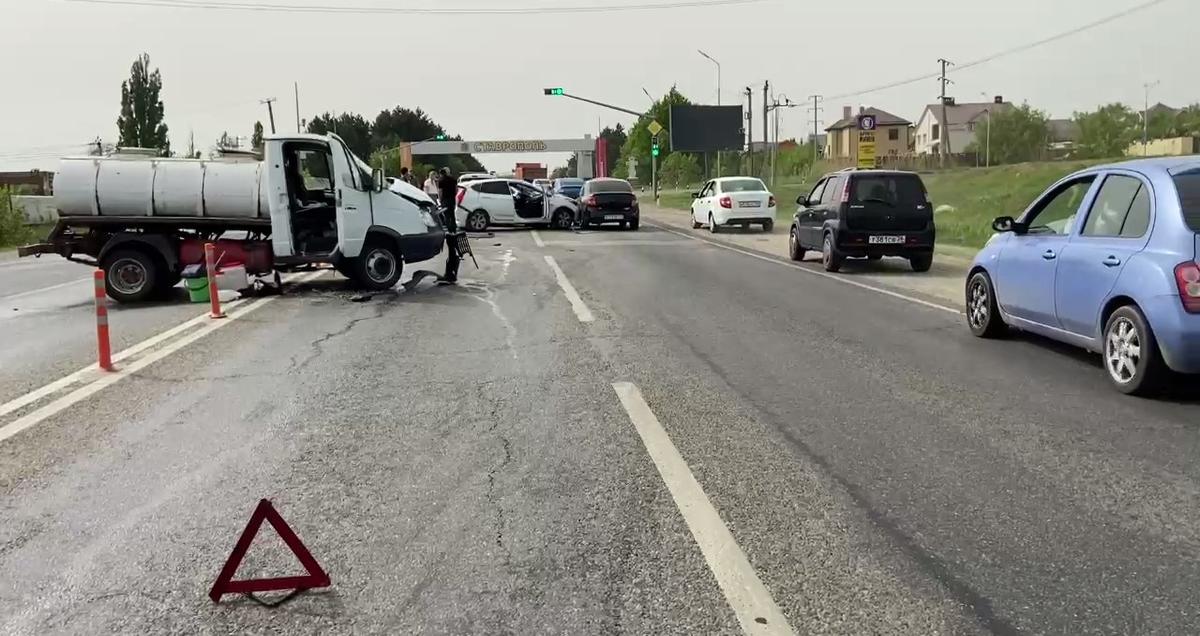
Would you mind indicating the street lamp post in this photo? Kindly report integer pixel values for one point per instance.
(710, 58)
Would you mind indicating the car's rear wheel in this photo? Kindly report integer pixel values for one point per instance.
(695, 224)
(983, 314)
(478, 221)
(712, 225)
(634, 223)
(795, 249)
(768, 225)
(1131, 356)
(921, 262)
(831, 259)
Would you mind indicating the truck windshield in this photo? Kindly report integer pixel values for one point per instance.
(1188, 186)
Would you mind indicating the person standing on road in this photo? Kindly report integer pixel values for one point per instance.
(431, 186)
(407, 176)
(448, 191)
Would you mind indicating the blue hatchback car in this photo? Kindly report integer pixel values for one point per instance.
(1106, 259)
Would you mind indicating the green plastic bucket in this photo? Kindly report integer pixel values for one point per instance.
(197, 289)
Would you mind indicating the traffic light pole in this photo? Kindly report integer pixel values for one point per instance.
(654, 169)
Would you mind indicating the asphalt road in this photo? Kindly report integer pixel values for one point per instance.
(459, 462)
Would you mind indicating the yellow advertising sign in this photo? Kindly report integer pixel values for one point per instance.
(866, 150)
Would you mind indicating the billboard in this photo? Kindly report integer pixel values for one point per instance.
(706, 128)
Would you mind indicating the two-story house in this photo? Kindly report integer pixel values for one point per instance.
(962, 122)
(891, 134)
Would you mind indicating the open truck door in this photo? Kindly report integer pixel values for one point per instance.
(352, 192)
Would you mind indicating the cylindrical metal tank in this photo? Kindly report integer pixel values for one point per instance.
(134, 186)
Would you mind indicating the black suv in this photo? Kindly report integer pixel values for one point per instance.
(865, 214)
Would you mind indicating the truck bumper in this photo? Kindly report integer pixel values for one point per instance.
(422, 247)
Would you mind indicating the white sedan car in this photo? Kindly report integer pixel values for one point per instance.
(733, 201)
(488, 202)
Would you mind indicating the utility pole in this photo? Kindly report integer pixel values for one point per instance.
(816, 110)
(750, 127)
(714, 61)
(270, 111)
(296, 85)
(766, 111)
(1146, 118)
(775, 106)
(943, 129)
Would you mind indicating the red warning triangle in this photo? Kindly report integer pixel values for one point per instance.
(225, 584)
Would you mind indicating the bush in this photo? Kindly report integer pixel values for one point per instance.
(13, 230)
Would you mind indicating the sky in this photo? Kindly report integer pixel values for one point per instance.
(481, 76)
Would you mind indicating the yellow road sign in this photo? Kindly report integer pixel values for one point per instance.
(654, 128)
(866, 150)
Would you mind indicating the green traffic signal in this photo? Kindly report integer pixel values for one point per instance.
(654, 150)
(553, 91)
(441, 137)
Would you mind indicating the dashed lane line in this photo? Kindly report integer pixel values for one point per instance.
(748, 597)
(581, 309)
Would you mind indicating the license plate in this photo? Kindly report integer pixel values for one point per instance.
(885, 240)
(749, 204)
(614, 217)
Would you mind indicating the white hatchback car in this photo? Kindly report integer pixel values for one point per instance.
(733, 201)
(490, 202)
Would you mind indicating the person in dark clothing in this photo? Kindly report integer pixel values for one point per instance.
(448, 189)
(406, 176)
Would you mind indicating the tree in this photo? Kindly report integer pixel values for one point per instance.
(615, 138)
(141, 122)
(256, 139)
(1187, 122)
(1108, 132)
(351, 127)
(637, 144)
(1017, 134)
(680, 169)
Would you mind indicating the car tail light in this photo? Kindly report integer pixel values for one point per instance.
(589, 199)
(771, 202)
(1187, 277)
(846, 191)
(462, 192)
(726, 202)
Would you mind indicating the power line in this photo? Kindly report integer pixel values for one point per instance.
(1010, 51)
(301, 8)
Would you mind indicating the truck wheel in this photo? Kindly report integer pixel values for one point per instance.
(379, 267)
(130, 276)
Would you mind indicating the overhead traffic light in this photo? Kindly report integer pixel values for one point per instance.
(553, 91)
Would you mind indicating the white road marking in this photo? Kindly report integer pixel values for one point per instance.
(840, 279)
(91, 370)
(537, 238)
(581, 310)
(107, 379)
(749, 599)
(46, 289)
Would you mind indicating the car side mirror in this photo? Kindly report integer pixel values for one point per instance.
(377, 179)
(695, 195)
(1008, 224)
(802, 200)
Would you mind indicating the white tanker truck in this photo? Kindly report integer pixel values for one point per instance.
(142, 220)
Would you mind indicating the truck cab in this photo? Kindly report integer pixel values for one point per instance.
(327, 205)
